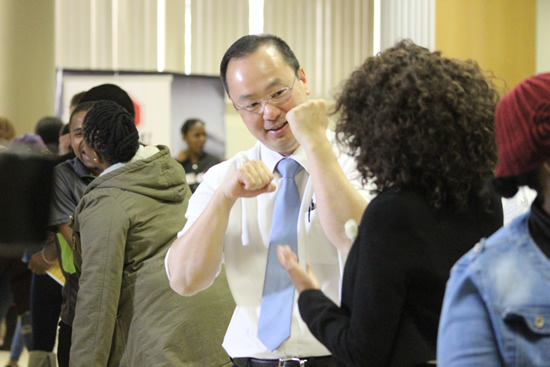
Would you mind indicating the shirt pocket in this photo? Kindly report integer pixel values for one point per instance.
(527, 332)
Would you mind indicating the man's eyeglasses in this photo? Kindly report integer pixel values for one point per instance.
(274, 98)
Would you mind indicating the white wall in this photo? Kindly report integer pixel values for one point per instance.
(543, 34)
(238, 138)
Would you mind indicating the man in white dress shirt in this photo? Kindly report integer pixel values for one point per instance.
(230, 214)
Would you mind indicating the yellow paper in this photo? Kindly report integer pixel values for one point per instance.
(56, 274)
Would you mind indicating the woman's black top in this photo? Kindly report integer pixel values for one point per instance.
(394, 280)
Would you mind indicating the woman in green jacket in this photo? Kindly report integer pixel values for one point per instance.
(126, 313)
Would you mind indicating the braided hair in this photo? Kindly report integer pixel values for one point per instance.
(109, 129)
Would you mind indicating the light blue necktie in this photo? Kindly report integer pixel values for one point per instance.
(278, 295)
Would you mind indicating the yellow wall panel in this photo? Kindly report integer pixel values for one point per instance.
(499, 34)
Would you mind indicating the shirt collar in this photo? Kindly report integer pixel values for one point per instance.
(271, 158)
(80, 169)
(142, 153)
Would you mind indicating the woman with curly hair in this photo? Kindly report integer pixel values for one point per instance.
(420, 128)
(497, 304)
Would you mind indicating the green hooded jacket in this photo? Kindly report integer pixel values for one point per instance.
(126, 312)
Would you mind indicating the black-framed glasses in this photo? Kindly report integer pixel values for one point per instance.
(274, 98)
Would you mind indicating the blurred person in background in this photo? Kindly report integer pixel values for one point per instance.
(26, 287)
(45, 296)
(110, 92)
(75, 101)
(65, 149)
(194, 159)
(48, 129)
(7, 132)
(71, 178)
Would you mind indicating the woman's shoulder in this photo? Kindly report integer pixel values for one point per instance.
(400, 197)
(508, 245)
(393, 204)
(507, 269)
(210, 158)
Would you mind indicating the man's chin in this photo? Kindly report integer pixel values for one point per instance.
(285, 149)
(86, 162)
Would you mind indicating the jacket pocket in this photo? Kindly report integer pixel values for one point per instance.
(527, 333)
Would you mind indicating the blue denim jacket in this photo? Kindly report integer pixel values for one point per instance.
(496, 309)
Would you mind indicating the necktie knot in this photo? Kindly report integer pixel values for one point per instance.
(287, 167)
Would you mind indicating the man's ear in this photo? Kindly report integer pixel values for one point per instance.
(302, 77)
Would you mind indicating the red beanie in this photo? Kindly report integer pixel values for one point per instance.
(522, 127)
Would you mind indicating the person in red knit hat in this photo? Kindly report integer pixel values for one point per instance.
(496, 309)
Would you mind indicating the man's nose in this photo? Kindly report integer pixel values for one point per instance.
(270, 111)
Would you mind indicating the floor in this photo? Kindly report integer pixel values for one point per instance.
(5, 357)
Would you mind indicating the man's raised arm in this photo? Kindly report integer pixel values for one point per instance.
(337, 199)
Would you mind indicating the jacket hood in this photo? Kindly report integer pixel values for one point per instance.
(158, 176)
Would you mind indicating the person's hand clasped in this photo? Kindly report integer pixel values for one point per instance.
(302, 279)
(308, 121)
(38, 265)
(251, 179)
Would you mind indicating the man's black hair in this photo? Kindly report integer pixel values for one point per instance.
(247, 45)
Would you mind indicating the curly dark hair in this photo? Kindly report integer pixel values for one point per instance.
(415, 119)
(109, 129)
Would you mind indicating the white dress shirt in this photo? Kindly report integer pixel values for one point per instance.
(246, 246)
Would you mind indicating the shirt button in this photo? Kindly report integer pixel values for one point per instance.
(539, 321)
(478, 247)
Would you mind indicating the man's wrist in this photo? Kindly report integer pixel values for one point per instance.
(319, 147)
(224, 198)
(45, 259)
